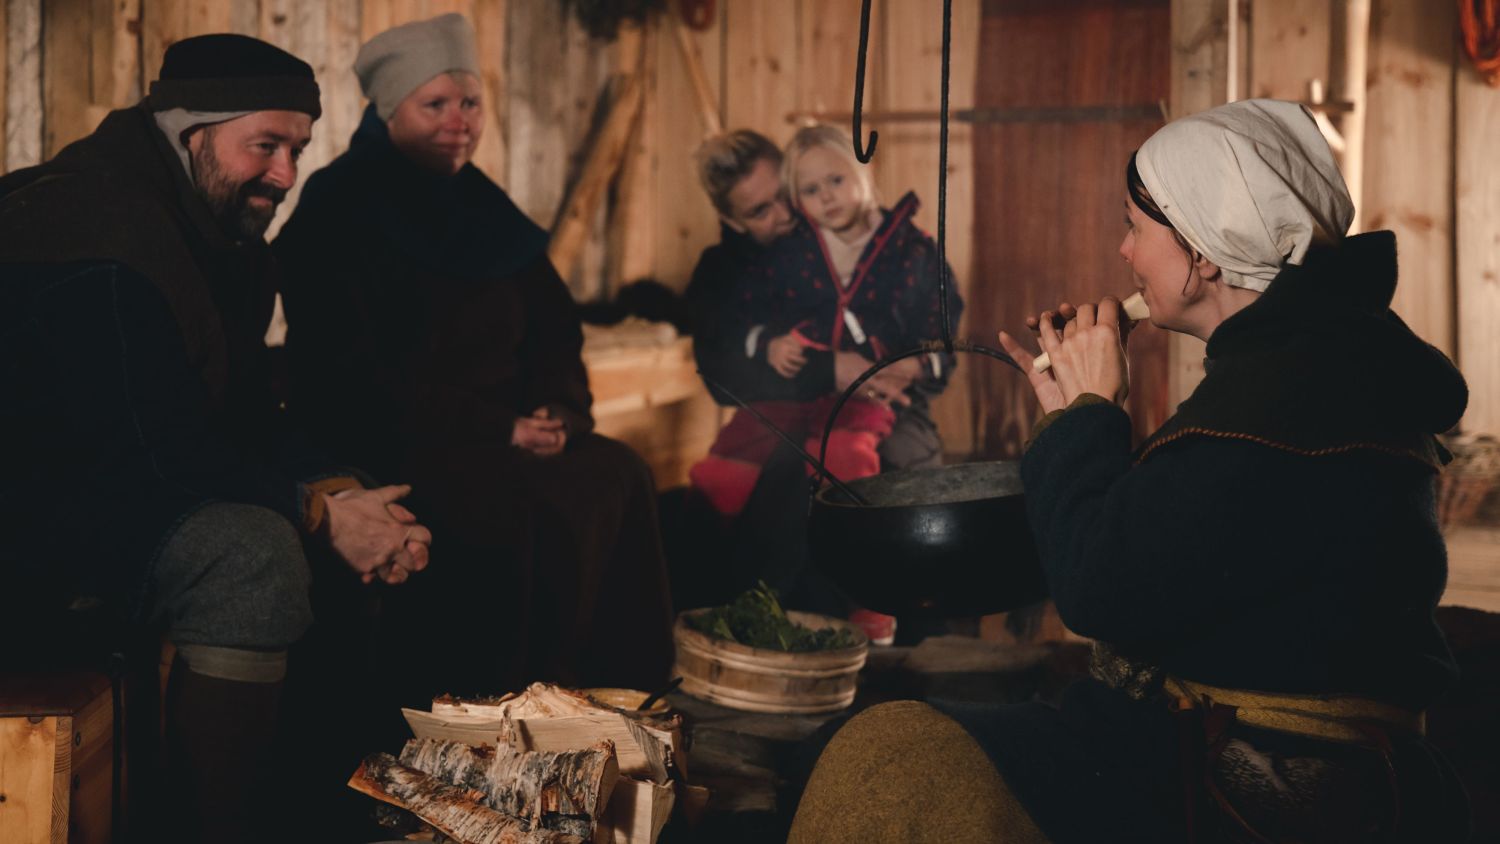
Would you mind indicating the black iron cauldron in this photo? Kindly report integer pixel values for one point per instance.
(950, 541)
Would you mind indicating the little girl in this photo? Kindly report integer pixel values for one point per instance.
(849, 285)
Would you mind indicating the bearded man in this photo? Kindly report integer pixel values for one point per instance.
(146, 461)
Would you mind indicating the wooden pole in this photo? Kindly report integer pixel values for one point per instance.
(1204, 63)
(572, 229)
(692, 57)
(1350, 49)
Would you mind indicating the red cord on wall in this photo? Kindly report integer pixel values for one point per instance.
(1480, 21)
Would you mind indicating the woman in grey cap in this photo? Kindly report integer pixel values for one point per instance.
(430, 335)
(1260, 575)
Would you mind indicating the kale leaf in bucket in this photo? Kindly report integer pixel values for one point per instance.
(756, 619)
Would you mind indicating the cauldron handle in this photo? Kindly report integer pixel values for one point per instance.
(930, 347)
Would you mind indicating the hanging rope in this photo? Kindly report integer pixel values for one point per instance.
(864, 155)
(1480, 22)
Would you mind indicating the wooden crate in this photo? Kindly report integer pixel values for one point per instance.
(56, 755)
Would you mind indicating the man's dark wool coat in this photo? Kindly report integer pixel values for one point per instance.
(134, 375)
(424, 318)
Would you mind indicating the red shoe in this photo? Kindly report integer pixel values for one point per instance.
(879, 627)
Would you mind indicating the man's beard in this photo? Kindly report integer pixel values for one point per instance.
(230, 202)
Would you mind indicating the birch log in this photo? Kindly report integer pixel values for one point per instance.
(563, 792)
(455, 812)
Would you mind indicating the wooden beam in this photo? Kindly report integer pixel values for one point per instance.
(586, 198)
(1348, 68)
(703, 93)
(1478, 246)
(1408, 168)
(490, 28)
(632, 220)
(1204, 63)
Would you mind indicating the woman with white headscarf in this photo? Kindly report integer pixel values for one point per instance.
(1261, 573)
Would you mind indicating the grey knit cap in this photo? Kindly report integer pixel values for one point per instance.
(398, 61)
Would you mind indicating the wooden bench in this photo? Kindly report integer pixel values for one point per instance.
(647, 394)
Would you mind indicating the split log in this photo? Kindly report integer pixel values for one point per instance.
(640, 751)
(549, 717)
(564, 792)
(456, 812)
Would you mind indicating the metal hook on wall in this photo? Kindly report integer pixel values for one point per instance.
(864, 155)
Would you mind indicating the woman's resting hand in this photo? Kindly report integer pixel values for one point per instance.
(539, 434)
(1087, 347)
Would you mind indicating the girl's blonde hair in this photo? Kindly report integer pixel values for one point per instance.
(823, 135)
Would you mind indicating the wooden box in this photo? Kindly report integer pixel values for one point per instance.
(56, 758)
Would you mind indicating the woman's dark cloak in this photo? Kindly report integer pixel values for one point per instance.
(425, 318)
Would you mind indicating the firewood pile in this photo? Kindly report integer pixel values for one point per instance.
(545, 766)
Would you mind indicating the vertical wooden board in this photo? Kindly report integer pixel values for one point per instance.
(489, 17)
(4, 76)
(244, 17)
(1408, 182)
(1289, 45)
(909, 72)
(760, 63)
(1050, 203)
(300, 28)
(1478, 246)
(827, 49)
(162, 23)
(632, 220)
(29, 751)
(115, 53)
(24, 116)
(686, 222)
(91, 742)
(546, 55)
(66, 89)
(343, 103)
(1206, 37)
(165, 22)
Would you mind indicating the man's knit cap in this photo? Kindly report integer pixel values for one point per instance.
(227, 73)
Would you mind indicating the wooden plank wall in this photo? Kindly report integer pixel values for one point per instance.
(1428, 172)
(64, 63)
(1477, 258)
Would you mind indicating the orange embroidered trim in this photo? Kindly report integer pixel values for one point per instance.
(1320, 452)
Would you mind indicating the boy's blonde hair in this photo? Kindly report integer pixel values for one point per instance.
(724, 160)
(834, 139)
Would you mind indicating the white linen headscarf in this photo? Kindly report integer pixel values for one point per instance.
(175, 123)
(1251, 185)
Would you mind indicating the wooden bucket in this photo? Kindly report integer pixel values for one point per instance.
(759, 680)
